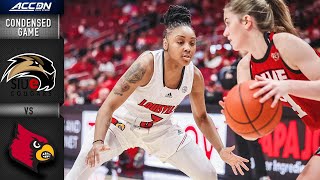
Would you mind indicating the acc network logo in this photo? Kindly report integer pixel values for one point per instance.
(30, 71)
(32, 6)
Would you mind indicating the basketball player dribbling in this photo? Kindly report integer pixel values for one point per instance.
(285, 66)
(137, 113)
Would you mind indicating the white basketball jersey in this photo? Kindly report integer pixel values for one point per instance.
(154, 101)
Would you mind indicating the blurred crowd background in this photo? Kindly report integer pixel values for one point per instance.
(102, 38)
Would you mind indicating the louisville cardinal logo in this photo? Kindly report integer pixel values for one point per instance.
(29, 149)
(32, 65)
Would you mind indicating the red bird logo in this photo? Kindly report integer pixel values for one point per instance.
(28, 149)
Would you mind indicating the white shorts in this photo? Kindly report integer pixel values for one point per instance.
(161, 140)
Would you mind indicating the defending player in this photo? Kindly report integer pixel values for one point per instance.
(138, 110)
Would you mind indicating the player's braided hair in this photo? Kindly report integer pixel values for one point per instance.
(174, 17)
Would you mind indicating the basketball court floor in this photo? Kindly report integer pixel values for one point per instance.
(116, 173)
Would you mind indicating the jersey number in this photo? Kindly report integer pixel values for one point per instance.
(294, 106)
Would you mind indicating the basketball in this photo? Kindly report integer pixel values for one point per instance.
(248, 117)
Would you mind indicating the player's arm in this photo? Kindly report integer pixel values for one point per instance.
(199, 111)
(139, 74)
(207, 127)
(243, 69)
(300, 56)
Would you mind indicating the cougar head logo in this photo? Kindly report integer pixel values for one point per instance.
(32, 65)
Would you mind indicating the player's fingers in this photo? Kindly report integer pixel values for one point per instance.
(230, 149)
(262, 91)
(244, 166)
(234, 170)
(221, 103)
(267, 96)
(258, 84)
(97, 158)
(93, 159)
(243, 159)
(89, 162)
(275, 100)
(88, 159)
(239, 168)
(259, 78)
(104, 148)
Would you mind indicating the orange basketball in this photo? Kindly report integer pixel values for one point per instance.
(248, 117)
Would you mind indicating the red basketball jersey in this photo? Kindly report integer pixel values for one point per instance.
(272, 66)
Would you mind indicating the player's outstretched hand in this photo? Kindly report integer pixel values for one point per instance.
(236, 162)
(93, 157)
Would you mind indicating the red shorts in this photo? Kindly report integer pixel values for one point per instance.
(317, 152)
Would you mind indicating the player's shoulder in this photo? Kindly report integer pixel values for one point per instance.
(142, 66)
(145, 61)
(197, 73)
(283, 40)
(291, 47)
(198, 80)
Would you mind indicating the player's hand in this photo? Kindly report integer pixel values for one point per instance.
(269, 88)
(221, 103)
(93, 157)
(236, 162)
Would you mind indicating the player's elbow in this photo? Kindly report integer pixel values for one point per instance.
(105, 112)
(201, 119)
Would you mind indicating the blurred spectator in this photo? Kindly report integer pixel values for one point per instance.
(129, 55)
(117, 55)
(107, 67)
(83, 65)
(71, 95)
(119, 42)
(103, 54)
(213, 92)
(88, 32)
(152, 15)
(102, 95)
(85, 88)
(141, 41)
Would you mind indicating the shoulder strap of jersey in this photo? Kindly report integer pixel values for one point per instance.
(271, 36)
(318, 52)
(271, 43)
